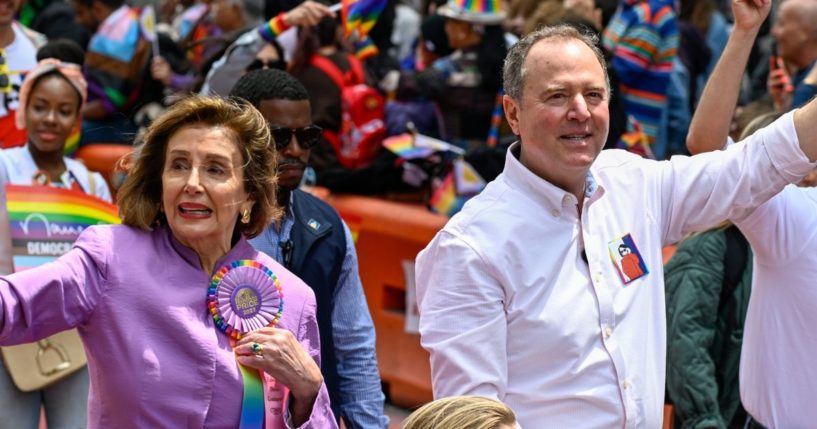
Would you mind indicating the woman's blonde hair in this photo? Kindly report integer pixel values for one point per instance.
(140, 197)
(759, 122)
(461, 412)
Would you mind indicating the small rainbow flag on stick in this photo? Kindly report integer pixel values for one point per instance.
(403, 146)
(459, 186)
(445, 200)
(45, 221)
(360, 15)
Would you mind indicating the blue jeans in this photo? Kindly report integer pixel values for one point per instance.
(65, 402)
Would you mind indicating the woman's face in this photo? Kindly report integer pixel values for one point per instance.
(51, 112)
(203, 186)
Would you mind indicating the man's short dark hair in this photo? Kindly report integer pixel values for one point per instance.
(268, 84)
(514, 70)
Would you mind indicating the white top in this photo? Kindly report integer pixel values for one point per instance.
(17, 167)
(509, 310)
(21, 55)
(778, 375)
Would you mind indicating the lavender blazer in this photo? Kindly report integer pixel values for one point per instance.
(155, 357)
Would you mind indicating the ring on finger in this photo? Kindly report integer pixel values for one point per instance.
(256, 348)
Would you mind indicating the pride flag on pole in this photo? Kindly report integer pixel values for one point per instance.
(360, 15)
(45, 221)
(147, 20)
(403, 146)
(365, 48)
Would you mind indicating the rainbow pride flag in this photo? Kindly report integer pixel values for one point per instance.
(635, 140)
(365, 49)
(403, 146)
(445, 200)
(360, 15)
(45, 221)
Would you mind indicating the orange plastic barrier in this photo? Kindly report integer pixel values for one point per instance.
(102, 157)
(388, 234)
(669, 418)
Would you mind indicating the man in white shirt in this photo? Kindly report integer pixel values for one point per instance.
(524, 296)
(777, 371)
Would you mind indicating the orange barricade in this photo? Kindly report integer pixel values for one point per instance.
(102, 157)
(390, 233)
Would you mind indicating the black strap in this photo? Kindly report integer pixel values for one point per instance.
(734, 263)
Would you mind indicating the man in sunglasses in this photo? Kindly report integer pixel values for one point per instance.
(313, 242)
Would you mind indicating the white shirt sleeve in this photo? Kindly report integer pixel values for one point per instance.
(700, 191)
(463, 321)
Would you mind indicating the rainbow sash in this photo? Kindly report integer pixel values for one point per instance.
(242, 297)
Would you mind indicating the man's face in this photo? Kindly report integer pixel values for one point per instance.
(789, 31)
(293, 158)
(562, 118)
(226, 15)
(85, 16)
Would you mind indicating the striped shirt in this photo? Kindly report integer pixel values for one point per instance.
(643, 38)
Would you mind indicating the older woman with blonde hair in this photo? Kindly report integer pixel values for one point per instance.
(169, 303)
(462, 412)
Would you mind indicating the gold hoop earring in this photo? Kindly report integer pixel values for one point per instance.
(245, 216)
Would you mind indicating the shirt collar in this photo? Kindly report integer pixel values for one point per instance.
(518, 176)
(241, 250)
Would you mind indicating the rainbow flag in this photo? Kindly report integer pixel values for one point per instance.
(360, 15)
(403, 146)
(635, 139)
(445, 200)
(72, 143)
(45, 221)
(365, 49)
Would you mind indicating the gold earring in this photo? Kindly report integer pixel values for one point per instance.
(245, 216)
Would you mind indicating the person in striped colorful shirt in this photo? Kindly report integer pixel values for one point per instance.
(642, 36)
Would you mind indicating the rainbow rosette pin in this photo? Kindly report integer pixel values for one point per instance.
(245, 296)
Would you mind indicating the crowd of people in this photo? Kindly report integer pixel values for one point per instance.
(543, 303)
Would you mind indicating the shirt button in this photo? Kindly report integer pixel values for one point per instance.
(608, 332)
(596, 278)
(566, 200)
(555, 212)
(625, 384)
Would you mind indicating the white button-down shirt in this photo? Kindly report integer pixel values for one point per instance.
(509, 309)
(778, 377)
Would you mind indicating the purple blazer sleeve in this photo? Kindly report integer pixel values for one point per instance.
(53, 297)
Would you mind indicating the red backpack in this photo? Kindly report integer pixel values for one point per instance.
(362, 126)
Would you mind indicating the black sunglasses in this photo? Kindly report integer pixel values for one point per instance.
(259, 64)
(307, 136)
